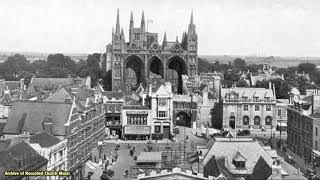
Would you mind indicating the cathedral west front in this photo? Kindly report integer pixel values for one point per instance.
(133, 61)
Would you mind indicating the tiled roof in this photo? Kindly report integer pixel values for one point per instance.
(227, 149)
(44, 139)
(20, 156)
(261, 93)
(30, 116)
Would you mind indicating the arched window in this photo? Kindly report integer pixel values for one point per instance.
(256, 120)
(232, 122)
(245, 120)
(268, 120)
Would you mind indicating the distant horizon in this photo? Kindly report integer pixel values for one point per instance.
(199, 55)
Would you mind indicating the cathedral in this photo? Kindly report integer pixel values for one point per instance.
(132, 62)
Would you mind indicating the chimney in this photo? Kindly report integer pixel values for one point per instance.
(47, 123)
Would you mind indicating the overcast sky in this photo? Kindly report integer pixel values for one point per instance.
(231, 27)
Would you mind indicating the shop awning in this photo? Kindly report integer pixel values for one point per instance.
(149, 157)
(282, 124)
(138, 130)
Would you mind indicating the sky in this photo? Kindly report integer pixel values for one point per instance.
(224, 27)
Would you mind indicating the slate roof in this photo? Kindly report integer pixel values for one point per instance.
(44, 139)
(261, 93)
(18, 154)
(227, 149)
(30, 116)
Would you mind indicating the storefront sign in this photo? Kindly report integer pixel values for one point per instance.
(144, 130)
(137, 112)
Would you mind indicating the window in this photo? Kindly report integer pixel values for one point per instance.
(137, 119)
(257, 108)
(316, 145)
(157, 129)
(239, 164)
(279, 112)
(268, 107)
(256, 120)
(245, 120)
(268, 120)
(162, 114)
(245, 107)
(117, 108)
(316, 131)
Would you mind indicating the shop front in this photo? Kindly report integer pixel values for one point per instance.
(137, 132)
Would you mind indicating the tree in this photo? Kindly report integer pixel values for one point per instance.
(262, 84)
(242, 83)
(239, 63)
(217, 115)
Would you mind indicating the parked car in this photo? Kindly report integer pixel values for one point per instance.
(310, 173)
(290, 159)
(243, 133)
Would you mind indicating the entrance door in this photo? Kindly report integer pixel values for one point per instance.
(166, 132)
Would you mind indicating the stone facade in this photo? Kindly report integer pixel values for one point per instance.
(133, 61)
(245, 108)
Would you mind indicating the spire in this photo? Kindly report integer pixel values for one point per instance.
(131, 21)
(122, 34)
(143, 23)
(164, 42)
(118, 23)
(191, 19)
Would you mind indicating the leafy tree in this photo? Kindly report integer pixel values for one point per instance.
(262, 84)
(242, 83)
(217, 115)
(239, 63)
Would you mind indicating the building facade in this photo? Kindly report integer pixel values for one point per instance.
(113, 102)
(134, 60)
(246, 108)
(303, 122)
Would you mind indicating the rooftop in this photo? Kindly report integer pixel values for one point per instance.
(44, 139)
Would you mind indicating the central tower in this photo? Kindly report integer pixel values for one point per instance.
(132, 62)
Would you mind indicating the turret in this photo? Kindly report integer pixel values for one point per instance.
(131, 21)
(164, 42)
(118, 25)
(122, 35)
(143, 23)
(192, 36)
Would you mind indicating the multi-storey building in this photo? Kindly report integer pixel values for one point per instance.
(264, 74)
(72, 113)
(52, 149)
(133, 61)
(113, 102)
(303, 122)
(246, 108)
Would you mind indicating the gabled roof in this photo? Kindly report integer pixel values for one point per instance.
(44, 139)
(30, 116)
(20, 156)
(239, 157)
(227, 149)
(249, 92)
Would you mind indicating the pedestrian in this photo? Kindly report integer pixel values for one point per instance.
(134, 148)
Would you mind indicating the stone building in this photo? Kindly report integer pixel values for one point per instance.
(246, 108)
(264, 74)
(134, 60)
(303, 123)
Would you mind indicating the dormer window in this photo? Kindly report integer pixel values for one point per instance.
(239, 161)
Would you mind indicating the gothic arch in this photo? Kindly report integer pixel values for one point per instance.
(155, 66)
(133, 72)
(176, 67)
